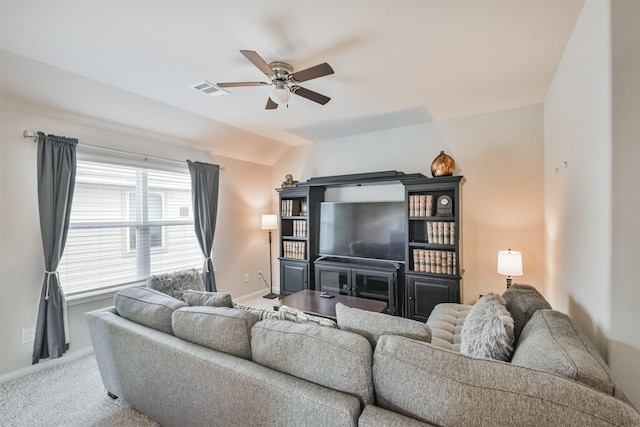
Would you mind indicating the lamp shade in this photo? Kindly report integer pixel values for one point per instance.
(510, 263)
(269, 222)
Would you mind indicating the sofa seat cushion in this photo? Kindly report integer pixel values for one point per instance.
(336, 359)
(551, 342)
(211, 299)
(445, 388)
(446, 321)
(174, 284)
(373, 325)
(148, 307)
(522, 301)
(220, 328)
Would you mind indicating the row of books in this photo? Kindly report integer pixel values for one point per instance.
(295, 250)
(441, 232)
(421, 205)
(432, 261)
(292, 207)
(299, 228)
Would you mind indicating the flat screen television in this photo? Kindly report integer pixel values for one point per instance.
(372, 230)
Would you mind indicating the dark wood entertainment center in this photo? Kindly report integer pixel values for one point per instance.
(428, 274)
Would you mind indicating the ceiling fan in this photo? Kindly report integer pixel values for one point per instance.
(284, 80)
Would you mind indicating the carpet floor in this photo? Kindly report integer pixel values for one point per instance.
(68, 394)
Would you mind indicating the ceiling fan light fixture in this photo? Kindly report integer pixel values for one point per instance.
(280, 93)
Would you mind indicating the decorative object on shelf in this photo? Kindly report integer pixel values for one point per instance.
(288, 181)
(444, 206)
(443, 165)
(269, 222)
(509, 264)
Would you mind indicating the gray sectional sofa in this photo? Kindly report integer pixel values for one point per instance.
(193, 365)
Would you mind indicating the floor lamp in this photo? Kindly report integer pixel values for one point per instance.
(269, 222)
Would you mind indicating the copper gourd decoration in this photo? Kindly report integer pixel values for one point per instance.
(443, 165)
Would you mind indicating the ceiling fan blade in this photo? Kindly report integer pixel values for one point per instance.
(320, 70)
(258, 62)
(271, 105)
(309, 94)
(241, 84)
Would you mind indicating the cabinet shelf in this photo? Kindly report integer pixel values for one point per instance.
(427, 245)
(297, 238)
(431, 218)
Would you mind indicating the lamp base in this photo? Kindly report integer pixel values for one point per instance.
(508, 282)
(270, 295)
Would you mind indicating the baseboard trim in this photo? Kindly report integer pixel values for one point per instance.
(44, 364)
(251, 296)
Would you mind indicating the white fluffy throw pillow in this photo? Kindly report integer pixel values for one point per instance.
(487, 331)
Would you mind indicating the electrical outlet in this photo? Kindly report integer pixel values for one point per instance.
(259, 274)
(28, 335)
(246, 278)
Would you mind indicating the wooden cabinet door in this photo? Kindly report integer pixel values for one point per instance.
(424, 293)
(294, 277)
(333, 280)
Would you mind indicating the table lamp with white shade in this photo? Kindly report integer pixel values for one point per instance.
(509, 264)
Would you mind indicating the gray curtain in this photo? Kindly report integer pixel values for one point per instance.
(204, 194)
(56, 181)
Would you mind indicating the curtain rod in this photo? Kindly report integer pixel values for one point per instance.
(27, 133)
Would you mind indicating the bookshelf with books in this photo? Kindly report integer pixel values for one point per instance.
(433, 250)
(298, 247)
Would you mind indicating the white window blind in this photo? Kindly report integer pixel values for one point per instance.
(126, 224)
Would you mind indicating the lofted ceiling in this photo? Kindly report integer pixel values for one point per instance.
(396, 63)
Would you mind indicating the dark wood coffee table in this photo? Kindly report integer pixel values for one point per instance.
(312, 303)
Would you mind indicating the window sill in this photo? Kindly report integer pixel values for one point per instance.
(97, 295)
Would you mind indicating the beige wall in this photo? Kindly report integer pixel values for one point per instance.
(240, 246)
(592, 234)
(499, 153)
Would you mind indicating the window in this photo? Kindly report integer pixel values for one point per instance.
(126, 224)
(155, 206)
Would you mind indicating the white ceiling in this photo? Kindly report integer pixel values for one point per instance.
(396, 62)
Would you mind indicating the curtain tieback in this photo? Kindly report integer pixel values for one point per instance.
(49, 273)
(206, 264)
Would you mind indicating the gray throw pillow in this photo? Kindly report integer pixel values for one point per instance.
(373, 325)
(211, 299)
(487, 332)
(176, 283)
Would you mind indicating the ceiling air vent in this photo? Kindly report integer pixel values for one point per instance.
(209, 89)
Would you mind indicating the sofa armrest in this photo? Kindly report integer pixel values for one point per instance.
(448, 389)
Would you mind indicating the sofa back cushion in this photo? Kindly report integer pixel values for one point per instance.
(336, 359)
(373, 325)
(522, 301)
(221, 328)
(551, 342)
(147, 307)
